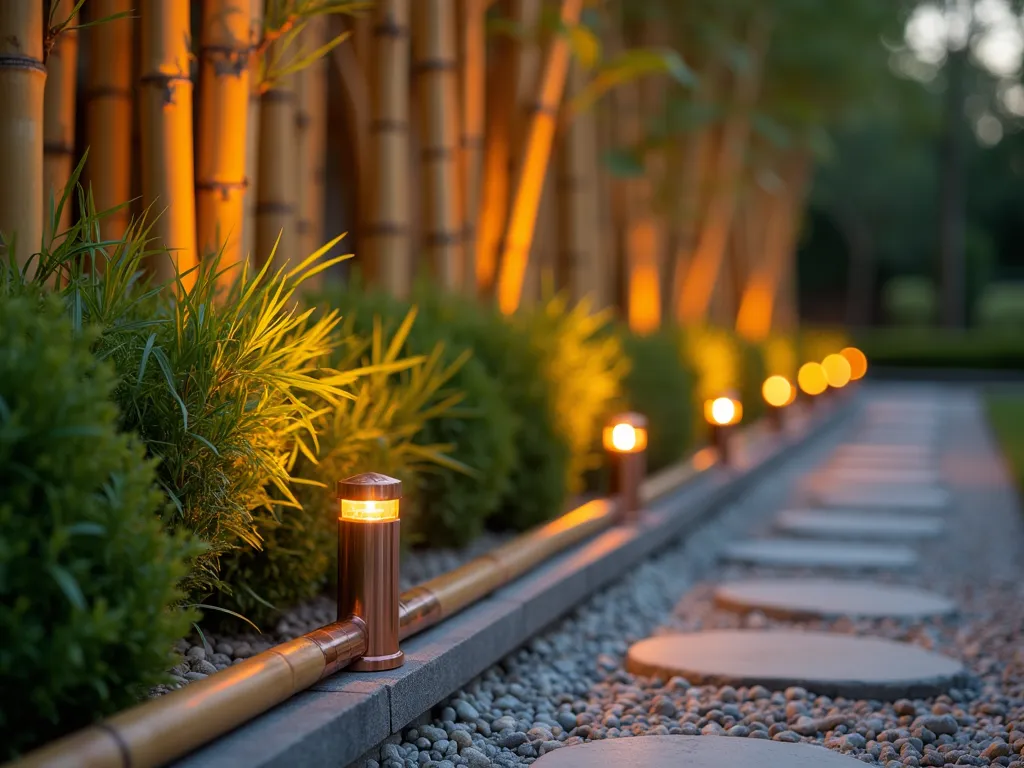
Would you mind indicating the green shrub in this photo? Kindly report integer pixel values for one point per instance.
(447, 504)
(219, 384)
(660, 386)
(87, 576)
(754, 374)
(584, 368)
(1001, 307)
(781, 357)
(521, 410)
(909, 300)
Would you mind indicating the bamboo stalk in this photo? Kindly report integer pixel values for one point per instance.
(223, 117)
(472, 77)
(168, 178)
(275, 197)
(497, 158)
(766, 294)
(22, 82)
(579, 264)
(387, 230)
(435, 66)
(311, 141)
(252, 133)
(530, 178)
(702, 275)
(357, 117)
(109, 113)
(646, 239)
(59, 120)
(697, 169)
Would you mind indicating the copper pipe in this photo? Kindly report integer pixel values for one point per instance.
(165, 728)
(170, 726)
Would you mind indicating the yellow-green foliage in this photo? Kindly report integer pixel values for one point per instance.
(780, 357)
(817, 343)
(376, 429)
(585, 368)
(717, 359)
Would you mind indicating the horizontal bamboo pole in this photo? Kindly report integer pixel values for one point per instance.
(165, 728)
(172, 725)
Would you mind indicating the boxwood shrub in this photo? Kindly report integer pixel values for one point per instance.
(660, 386)
(88, 577)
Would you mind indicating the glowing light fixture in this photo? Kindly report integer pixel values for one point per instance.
(837, 371)
(368, 529)
(722, 413)
(858, 362)
(812, 379)
(778, 392)
(627, 433)
(625, 439)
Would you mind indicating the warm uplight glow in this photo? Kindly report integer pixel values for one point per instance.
(372, 511)
(812, 379)
(623, 437)
(858, 362)
(837, 371)
(723, 411)
(777, 391)
(627, 433)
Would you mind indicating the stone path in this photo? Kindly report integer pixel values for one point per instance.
(572, 696)
(888, 468)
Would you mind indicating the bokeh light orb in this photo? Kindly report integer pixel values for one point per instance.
(837, 370)
(812, 379)
(777, 391)
(858, 362)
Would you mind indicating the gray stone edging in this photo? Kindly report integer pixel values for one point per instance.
(341, 718)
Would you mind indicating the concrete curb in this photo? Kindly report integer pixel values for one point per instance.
(343, 717)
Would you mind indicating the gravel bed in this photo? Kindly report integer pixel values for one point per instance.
(198, 660)
(569, 685)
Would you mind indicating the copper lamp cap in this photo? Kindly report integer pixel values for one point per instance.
(370, 486)
(634, 419)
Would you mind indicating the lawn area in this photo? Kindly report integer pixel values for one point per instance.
(1006, 413)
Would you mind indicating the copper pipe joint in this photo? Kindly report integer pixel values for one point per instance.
(368, 559)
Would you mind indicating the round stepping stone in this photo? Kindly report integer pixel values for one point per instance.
(880, 475)
(694, 752)
(829, 599)
(802, 553)
(847, 526)
(900, 497)
(825, 663)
